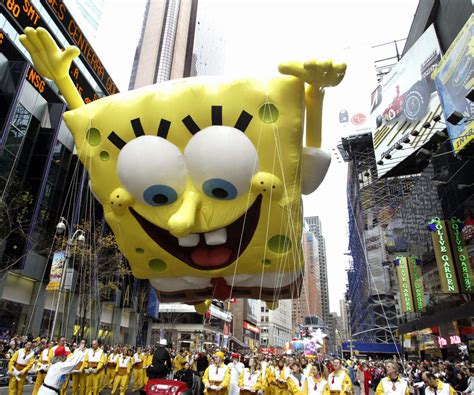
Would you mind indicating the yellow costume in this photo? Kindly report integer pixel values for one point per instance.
(122, 374)
(441, 389)
(18, 368)
(250, 382)
(296, 385)
(94, 362)
(178, 363)
(42, 365)
(78, 380)
(314, 386)
(111, 367)
(393, 387)
(148, 358)
(216, 376)
(339, 383)
(137, 363)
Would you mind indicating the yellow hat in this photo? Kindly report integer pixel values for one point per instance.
(220, 354)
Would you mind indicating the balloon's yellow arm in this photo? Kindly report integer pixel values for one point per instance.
(52, 62)
(317, 75)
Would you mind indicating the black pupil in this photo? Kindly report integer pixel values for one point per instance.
(159, 198)
(220, 193)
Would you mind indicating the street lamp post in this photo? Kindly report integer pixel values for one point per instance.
(78, 235)
(349, 325)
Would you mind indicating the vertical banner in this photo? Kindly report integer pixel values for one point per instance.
(57, 267)
(460, 255)
(403, 275)
(444, 257)
(414, 264)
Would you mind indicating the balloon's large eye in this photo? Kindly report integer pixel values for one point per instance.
(221, 161)
(153, 170)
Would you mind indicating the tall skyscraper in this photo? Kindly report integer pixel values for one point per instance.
(166, 44)
(314, 226)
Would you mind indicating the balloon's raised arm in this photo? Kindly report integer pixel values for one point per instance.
(52, 62)
(318, 75)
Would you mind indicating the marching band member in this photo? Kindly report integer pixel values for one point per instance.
(111, 366)
(315, 383)
(393, 384)
(122, 372)
(216, 378)
(339, 381)
(60, 366)
(147, 361)
(93, 364)
(137, 363)
(435, 386)
(280, 381)
(78, 375)
(236, 368)
(250, 380)
(297, 380)
(18, 367)
(42, 365)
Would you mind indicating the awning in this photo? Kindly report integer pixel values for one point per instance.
(239, 343)
(377, 348)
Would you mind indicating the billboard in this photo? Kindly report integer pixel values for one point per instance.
(444, 256)
(57, 267)
(403, 275)
(403, 102)
(416, 279)
(453, 79)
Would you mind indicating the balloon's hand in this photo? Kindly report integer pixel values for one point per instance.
(48, 58)
(319, 74)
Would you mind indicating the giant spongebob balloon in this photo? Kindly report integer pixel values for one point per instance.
(201, 178)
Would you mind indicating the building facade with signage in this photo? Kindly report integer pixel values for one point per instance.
(42, 180)
(276, 325)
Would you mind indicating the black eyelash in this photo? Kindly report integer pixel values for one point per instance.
(243, 122)
(216, 115)
(116, 140)
(191, 125)
(164, 128)
(137, 127)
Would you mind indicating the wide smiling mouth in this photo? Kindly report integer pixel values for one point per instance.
(210, 250)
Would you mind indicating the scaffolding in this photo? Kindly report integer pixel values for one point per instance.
(372, 204)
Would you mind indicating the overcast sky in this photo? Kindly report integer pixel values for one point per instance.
(261, 34)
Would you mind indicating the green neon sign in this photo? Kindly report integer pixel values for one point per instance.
(416, 283)
(461, 256)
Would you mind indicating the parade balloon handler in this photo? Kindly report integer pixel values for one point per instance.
(60, 367)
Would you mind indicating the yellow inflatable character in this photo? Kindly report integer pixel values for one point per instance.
(201, 178)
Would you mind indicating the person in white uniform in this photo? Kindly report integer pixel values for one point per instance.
(59, 368)
(236, 368)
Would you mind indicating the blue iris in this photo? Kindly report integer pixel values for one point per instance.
(218, 188)
(160, 195)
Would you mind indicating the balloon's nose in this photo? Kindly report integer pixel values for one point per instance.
(181, 222)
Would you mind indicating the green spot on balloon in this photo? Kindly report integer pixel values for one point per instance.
(104, 155)
(139, 250)
(279, 244)
(266, 262)
(93, 137)
(268, 113)
(157, 265)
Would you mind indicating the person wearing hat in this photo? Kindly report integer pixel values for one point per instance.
(60, 366)
(392, 384)
(161, 363)
(94, 361)
(42, 365)
(122, 372)
(61, 342)
(216, 378)
(236, 368)
(18, 367)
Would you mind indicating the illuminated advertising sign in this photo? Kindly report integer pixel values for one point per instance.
(416, 279)
(405, 100)
(403, 275)
(250, 327)
(21, 15)
(460, 255)
(59, 12)
(444, 257)
(453, 78)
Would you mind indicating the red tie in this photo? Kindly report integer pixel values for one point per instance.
(315, 386)
(217, 369)
(332, 379)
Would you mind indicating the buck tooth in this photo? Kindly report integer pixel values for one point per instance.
(190, 240)
(216, 237)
